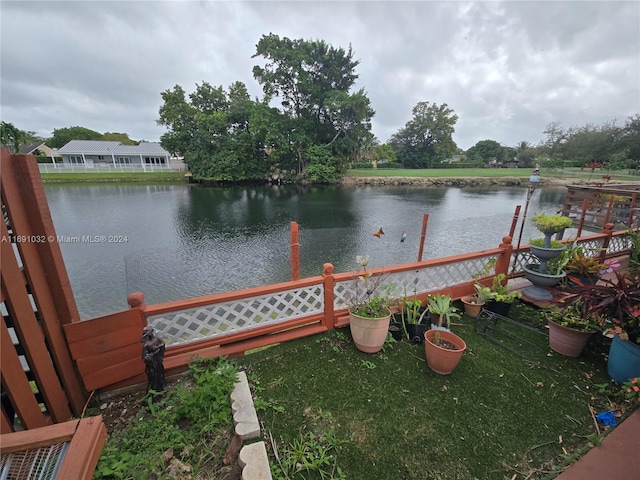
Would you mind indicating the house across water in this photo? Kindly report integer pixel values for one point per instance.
(113, 154)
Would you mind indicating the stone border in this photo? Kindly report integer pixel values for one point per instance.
(253, 457)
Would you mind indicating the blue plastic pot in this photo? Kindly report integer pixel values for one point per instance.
(624, 360)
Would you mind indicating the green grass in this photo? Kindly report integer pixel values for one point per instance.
(497, 415)
(152, 177)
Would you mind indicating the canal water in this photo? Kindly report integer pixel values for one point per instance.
(177, 241)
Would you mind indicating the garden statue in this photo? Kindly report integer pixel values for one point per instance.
(152, 356)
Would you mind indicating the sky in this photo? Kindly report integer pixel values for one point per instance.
(507, 69)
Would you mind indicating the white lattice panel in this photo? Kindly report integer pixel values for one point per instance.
(183, 326)
(619, 244)
(419, 281)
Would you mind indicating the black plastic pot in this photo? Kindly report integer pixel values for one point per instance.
(416, 332)
(501, 308)
(396, 331)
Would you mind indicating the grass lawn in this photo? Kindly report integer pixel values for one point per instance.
(152, 177)
(388, 416)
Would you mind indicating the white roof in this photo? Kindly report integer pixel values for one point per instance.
(99, 147)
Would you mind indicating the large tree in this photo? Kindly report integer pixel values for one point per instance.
(12, 137)
(486, 152)
(312, 82)
(62, 136)
(426, 139)
(213, 131)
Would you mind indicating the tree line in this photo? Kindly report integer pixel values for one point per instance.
(311, 125)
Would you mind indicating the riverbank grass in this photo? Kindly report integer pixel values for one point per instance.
(138, 177)
(498, 415)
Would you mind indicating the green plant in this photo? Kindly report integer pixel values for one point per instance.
(370, 298)
(616, 300)
(539, 242)
(410, 310)
(442, 306)
(634, 254)
(498, 291)
(630, 390)
(575, 317)
(550, 224)
(194, 419)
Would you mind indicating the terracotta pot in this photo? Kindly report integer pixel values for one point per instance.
(472, 306)
(369, 334)
(442, 360)
(567, 341)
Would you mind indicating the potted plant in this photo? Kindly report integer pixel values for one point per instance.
(498, 297)
(472, 305)
(570, 328)
(443, 350)
(412, 315)
(441, 308)
(369, 312)
(581, 269)
(617, 301)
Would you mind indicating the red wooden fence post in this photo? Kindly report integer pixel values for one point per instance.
(502, 264)
(136, 300)
(329, 284)
(425, 219)
(295, 252)
(608, 229)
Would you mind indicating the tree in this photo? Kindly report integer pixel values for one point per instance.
(556, 136)
(486, 152)
(118, 137)
(630, 139)
(591, 143)
(427, 138)
(213, 131)
(62, 136)
(312, 80)
(12, 137)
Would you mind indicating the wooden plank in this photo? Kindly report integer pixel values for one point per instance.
(82, 455)
(107, 349)
(23, 194)
(6, 424)
(110, 324)
(30, 333)
(38, 437)
(94, 379)
(17, 385)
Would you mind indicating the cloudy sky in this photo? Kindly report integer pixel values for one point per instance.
(507, 69)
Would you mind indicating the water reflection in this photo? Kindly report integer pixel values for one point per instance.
(185, 240)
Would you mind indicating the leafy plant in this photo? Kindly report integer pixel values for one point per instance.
(617, 300)
(575, 317)
(630, 390)
(549, 224)
(194, 418)
(442, 306)
(370, 297)
(498, 291)
(539, 242)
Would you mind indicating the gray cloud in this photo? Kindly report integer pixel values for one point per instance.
(505, 68)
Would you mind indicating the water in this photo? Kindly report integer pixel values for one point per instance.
(177, 241)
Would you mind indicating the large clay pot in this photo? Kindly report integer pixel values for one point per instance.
(567, 341)
(472, 305)
(624, 360)
(369, 334)
(442, 360)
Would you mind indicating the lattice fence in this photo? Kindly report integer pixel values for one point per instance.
(183, 326)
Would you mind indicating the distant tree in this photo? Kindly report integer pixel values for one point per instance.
(214, 132)
(62, 136)
(312, 81)
(630, 139)
(426, 139)
(384, 153)
(591, 143)
(12, 137)
(486, 152)
(119, 137)
(556, 136)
